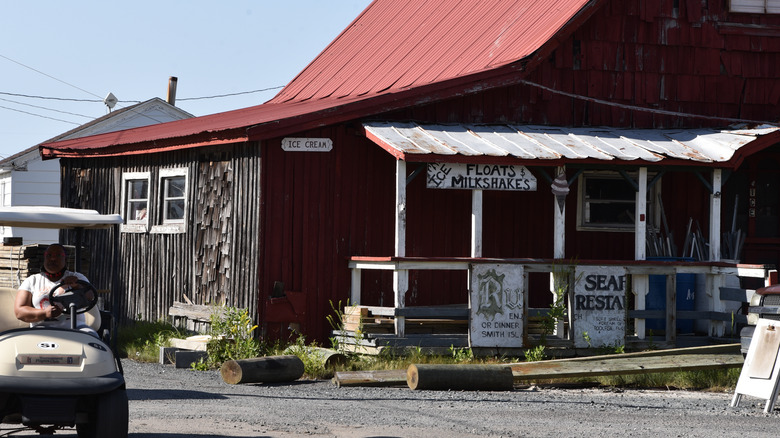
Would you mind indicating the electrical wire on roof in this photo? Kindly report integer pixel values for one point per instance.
(640, 108)
(232, 94)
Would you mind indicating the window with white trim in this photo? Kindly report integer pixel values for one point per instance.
(155, 205)
(172, 201)
(755, 6)
(607, 202)
(135, 201)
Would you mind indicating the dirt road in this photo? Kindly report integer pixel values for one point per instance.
(167, 402)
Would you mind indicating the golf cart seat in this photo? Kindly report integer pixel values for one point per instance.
(9, 321)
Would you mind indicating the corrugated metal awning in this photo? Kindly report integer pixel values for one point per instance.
(531, 142)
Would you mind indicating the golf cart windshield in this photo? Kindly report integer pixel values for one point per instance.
(56, 217)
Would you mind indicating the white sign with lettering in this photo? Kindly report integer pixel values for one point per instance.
(496, 305)
(292, 144)
(599, 307)
(480, 177)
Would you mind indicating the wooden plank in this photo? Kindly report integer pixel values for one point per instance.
(621, 366)
(370, 378)
(736, 294)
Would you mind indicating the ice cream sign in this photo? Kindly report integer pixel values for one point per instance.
(480, 177)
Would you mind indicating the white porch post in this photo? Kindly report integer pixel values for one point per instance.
(559, 246)
(714, 282)
(400, 277)
(641, 282)
(476, 223)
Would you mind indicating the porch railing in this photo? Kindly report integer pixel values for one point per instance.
(715, 316)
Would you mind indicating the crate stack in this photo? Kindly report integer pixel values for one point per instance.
(19, 262)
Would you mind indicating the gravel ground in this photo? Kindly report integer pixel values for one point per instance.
(168, 402)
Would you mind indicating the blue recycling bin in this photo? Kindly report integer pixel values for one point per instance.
(656, 296)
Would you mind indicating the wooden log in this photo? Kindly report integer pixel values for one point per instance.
(460, 377)
(369, 378)
(267, 369)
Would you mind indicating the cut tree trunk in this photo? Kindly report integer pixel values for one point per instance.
(269, 369)
(460, 377)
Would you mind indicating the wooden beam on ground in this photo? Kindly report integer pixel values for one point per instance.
(370, 378)
(677, 359)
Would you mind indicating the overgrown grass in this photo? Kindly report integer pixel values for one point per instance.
(142, 340)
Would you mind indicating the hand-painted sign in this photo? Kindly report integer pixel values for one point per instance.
(480, 177)
(599, 307)
(292, 144)
(496, 305)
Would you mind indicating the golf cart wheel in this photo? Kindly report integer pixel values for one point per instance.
(110, 419)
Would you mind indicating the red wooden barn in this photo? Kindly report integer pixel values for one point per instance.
(657, 113)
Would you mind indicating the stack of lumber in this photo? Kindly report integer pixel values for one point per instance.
(363, 320)
(19, 262)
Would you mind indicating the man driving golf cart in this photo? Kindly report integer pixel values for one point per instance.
(32, 301)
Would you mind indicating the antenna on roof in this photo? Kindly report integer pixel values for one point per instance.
(110, 101)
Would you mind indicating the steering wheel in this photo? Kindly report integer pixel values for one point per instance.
(76, 296)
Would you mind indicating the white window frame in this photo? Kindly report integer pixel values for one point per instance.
(755, 6)
(135, 225)
(582, 202)
(171, 225)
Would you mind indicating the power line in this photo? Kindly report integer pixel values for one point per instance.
(231, 94)
(50, 98)
(48, 76)
(38, 115)
(44, 108)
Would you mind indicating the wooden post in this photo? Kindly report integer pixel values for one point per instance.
(641, 283)
(400, 277)
(354, 293)
(268, 369)
(715, 200)
(717, 328)
(559, 250)
(460, 377)
(476, 223)
(671, 308)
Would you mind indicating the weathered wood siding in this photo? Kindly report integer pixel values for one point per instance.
(213, 261)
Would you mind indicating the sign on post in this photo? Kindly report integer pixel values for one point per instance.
(480, 177)
(599, 306)
(293, 144)
(496, 296)
(759, 376)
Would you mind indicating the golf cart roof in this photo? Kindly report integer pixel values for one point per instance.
(56, 217)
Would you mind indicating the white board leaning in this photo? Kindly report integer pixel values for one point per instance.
(759, 376)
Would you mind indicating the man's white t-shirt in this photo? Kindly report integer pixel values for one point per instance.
(39, 286)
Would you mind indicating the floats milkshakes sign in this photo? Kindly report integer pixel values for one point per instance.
(496, 298)
(480, 177)
(599, 306)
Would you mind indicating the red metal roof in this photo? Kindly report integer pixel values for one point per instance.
(397, 45)
(393, 48)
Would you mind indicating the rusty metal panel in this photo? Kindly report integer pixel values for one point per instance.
(548, 142)
(509, 140)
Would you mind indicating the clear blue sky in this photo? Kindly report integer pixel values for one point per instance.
(85, 49)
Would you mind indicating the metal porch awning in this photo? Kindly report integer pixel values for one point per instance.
(534, 142)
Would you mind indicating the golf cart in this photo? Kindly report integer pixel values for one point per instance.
(53, 378)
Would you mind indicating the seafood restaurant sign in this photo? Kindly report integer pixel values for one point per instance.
(599, 307)
(480, 177)
(496, 295)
